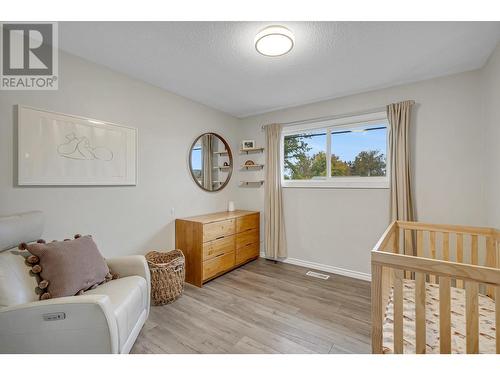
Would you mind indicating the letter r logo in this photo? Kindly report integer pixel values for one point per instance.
(27, 49)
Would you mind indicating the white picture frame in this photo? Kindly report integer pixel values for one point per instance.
(247, 144)
(60, 149)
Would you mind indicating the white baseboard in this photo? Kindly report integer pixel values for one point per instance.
(325, 267)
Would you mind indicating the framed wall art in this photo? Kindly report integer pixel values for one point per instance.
(61, 149)
(247, 144)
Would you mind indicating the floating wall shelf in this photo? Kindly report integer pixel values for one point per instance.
(252, 183)
(220, 152)
(223, 167)
(252, 166)
(252, 150)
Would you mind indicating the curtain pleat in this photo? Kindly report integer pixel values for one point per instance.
(399, 115)
(273, 201)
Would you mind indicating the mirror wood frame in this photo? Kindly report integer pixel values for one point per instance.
(230, 157)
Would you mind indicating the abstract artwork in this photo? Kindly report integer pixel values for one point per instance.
(59, 149)
(79, 148)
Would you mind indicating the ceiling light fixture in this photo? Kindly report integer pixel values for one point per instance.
(274, 41)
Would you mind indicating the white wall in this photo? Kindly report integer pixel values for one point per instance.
(338, 227)
(331, 227)
(491, 84)
(124, 220)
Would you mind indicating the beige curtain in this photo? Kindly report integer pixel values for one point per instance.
(273, 201)
(207, 161)
(398, 115)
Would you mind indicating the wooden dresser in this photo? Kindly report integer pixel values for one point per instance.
(216, 243)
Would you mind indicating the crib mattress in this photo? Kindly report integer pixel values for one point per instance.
(458, 340)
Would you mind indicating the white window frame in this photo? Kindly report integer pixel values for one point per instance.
(338, 124)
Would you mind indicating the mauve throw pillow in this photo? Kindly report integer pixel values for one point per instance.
(70, 266)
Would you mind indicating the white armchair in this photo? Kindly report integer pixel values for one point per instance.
(106, 319)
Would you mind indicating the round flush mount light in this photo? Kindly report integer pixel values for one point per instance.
(274, 41)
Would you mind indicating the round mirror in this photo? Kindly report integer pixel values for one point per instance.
(211, 162)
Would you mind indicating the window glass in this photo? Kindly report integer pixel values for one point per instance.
(305, 156)
(355, 150)
(359, 152)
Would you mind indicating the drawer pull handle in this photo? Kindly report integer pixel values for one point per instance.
(218, 238)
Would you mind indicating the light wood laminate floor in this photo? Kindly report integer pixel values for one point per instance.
(263, 307)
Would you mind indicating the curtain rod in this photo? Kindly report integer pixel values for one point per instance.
(333, 117)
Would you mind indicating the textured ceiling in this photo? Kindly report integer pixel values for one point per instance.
(215, 63)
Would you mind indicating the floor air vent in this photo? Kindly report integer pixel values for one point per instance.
(318, 275)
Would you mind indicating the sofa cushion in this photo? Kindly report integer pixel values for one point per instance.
(129, 297)
(69, 266)
(17, 284)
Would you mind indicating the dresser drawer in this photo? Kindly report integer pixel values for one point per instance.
(218, 265)
(247, 222)
(247, 252)
(218, 229)
(214, 248)
(247, 238)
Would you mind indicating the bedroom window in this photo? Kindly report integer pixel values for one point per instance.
(348, 152)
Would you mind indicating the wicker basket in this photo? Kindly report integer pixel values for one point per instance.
(167, 275)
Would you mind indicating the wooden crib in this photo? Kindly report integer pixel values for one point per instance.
(425, 278)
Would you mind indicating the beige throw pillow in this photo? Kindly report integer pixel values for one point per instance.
(68, 267)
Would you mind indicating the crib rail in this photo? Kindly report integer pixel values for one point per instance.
(459, 256)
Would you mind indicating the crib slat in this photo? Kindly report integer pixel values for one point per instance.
(491, 261)
(474, 251)
(398, 311)
(395, 241)
(420, 312)
(432, 240)
(460, 255)
(446, 246)
(472, 317)
(497, 317)
(444, 315)
(408, 242)
(377, 315)
(420, 243)
(408, 248)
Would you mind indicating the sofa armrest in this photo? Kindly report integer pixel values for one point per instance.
(79, 324)
(131, 265)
